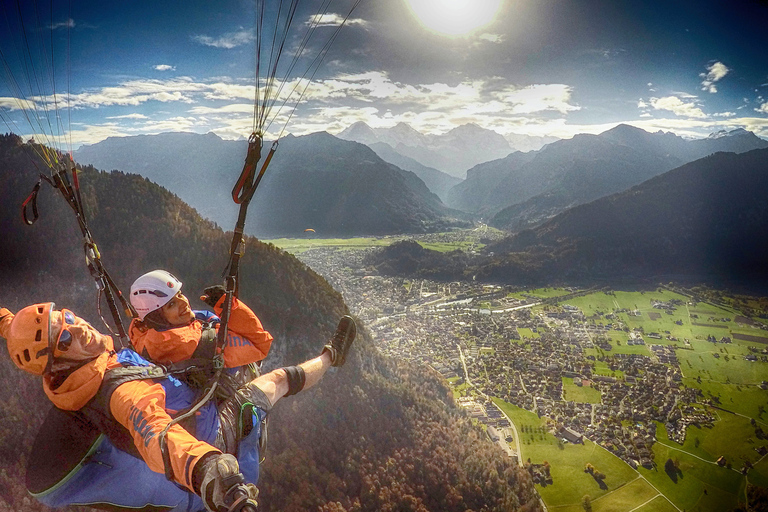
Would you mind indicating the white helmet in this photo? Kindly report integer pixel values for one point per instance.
(152, 291)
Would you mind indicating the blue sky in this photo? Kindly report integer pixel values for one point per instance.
(536, 67)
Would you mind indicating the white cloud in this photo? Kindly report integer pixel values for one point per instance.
(333, 20)
(228, 41)
(762, 108)
(492, 38)
(227, 91)
(715, 73)
(68, 23)
(129, 116)
(725, 114)
(677, 106)
(164, 67)
(234, 108)
(136, 92)
(539, 98)
(91, 134)
(17, 104)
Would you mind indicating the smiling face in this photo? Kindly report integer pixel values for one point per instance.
(177, 311)
(80, 341)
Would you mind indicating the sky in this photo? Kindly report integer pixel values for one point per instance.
(531, 67)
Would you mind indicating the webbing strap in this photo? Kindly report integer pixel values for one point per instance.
(104, 282)
(32, 199)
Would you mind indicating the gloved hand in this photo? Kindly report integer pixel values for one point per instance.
(220, 478)
(212, 294)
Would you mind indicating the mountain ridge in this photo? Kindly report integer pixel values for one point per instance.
(699, 223)
(569, 172)
(337, 187)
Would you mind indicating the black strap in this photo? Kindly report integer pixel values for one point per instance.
(104, 283)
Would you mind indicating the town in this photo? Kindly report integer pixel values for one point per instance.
(492, 338)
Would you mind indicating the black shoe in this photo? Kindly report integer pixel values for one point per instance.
(342, 340)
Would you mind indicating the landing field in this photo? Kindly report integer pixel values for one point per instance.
(698, 474)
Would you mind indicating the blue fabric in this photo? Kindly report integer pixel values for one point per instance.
(207, 316)
(179, 396)
(110, 476)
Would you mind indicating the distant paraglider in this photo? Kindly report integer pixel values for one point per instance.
(309, 229)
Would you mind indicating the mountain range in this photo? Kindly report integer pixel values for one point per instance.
(336, 187)
(453, 152)
(343, 188)
(524, 189)
(701, 222)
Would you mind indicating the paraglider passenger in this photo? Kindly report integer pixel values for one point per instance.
(127, 399)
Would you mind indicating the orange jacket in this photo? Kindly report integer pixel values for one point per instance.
(139, 406)
(247, 341)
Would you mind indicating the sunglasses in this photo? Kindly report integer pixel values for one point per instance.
(64, 341)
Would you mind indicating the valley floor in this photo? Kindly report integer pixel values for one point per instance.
(625, 401)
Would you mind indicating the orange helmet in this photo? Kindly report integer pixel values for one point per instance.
(27, 336)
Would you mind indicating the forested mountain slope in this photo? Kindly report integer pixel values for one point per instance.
(524, 190)
(375, 435)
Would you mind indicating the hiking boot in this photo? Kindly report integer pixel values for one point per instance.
(342, 340)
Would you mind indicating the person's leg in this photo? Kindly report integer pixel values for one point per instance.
(290, 380)
(277, 383)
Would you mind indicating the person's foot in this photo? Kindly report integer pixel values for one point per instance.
(342, 340)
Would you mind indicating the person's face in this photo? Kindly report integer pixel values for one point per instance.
(177, 311)
(74, 338)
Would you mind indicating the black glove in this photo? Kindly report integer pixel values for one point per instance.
(213, 294)
(222, 486)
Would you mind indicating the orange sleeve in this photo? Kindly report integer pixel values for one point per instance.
(247, 341)
(140, 407)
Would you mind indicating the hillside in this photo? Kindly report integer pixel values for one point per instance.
(570, 172)
(701, 222)
(328, 450)
(317, 181)
(437, 181)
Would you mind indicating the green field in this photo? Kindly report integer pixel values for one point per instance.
(527, 333)
(702, 485)
(567, 463)
(301, 244)
(718, 369)
(580, 394)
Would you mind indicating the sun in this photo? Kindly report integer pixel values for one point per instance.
(454, 17)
